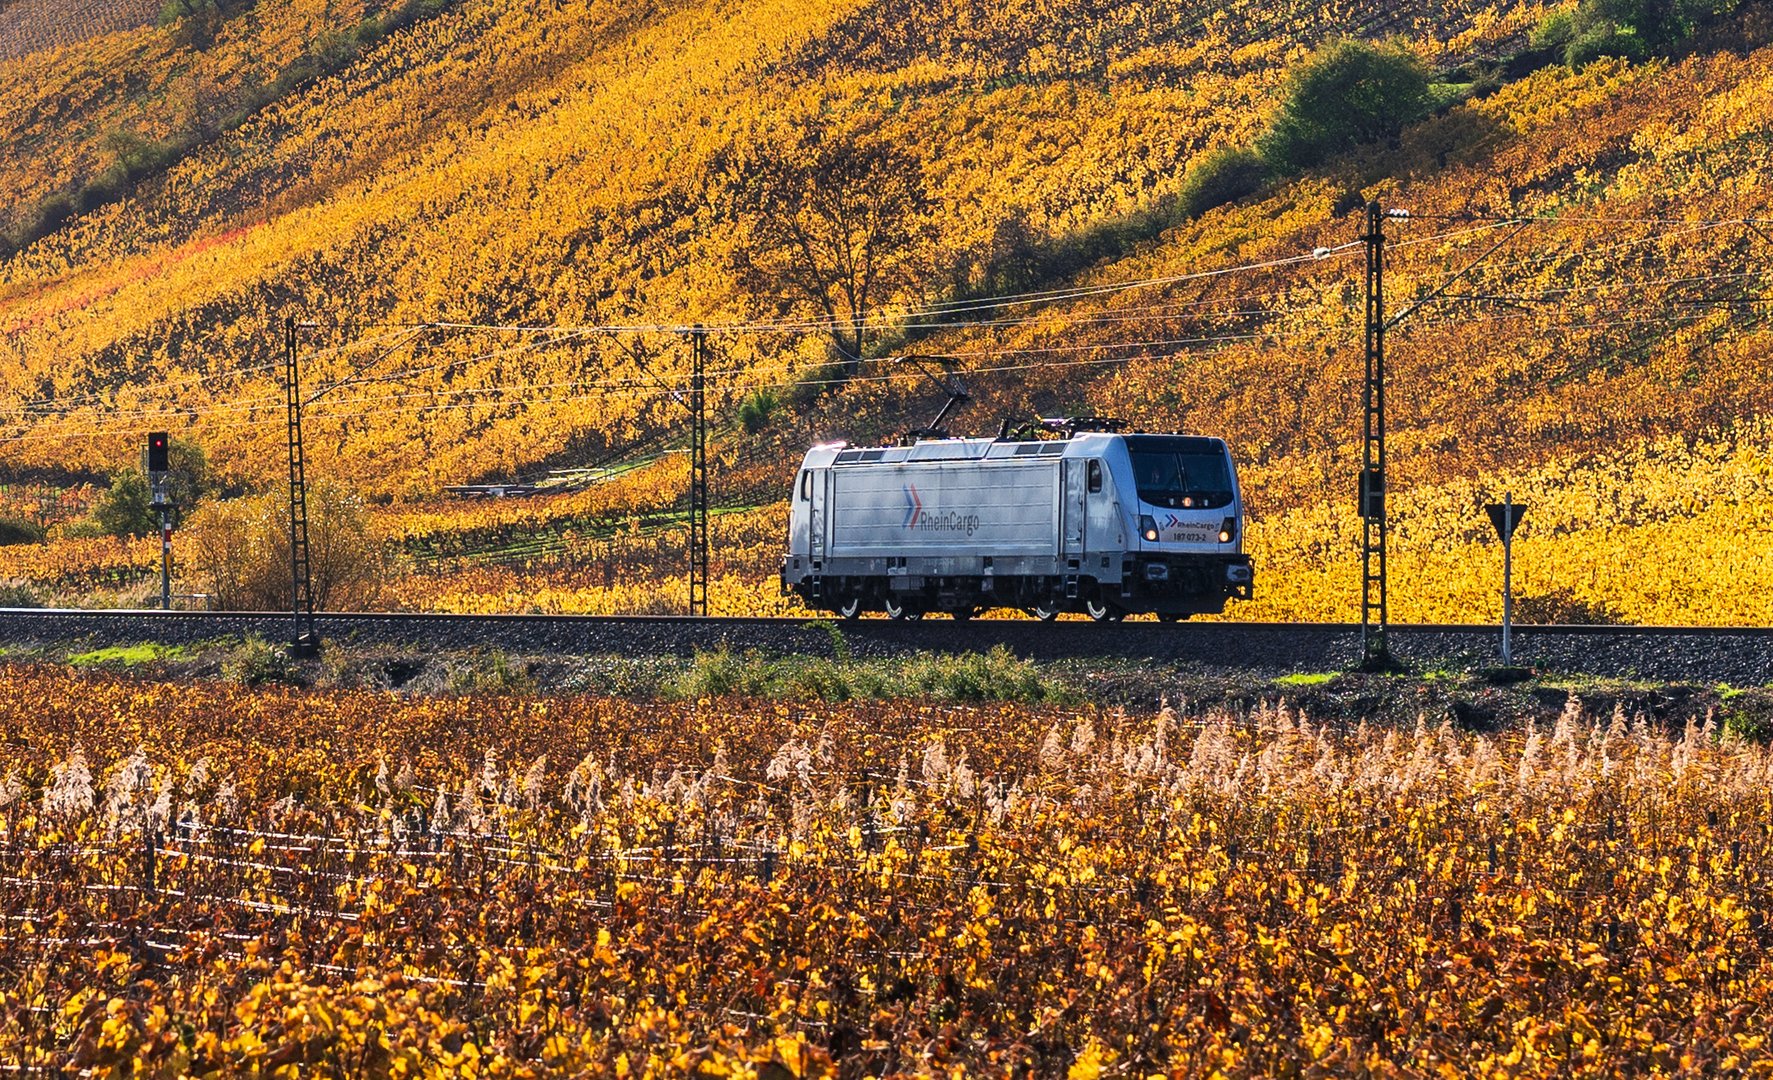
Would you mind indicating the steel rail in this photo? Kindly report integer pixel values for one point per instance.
(148, 616)
(1739, 656)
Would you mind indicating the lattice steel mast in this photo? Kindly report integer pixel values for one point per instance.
(303, 639)
(1374, 613)
(698, 543)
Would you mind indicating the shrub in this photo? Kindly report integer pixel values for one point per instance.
(125, 509)
(1555, 31)
(818, 678)
(489, 672)
(997, 675)
(722, 673)
(19, 594)
(1629, 29)
(16, 530)
(1222, 176)
(255, 662)
(1346, 94)
(1749, 725)
(755, 411)
(193, 23)
(1605, 40)
(242, 551)
(50, 215)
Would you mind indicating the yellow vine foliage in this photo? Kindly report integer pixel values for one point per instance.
(207, 880)
(554, 164)
(547, 163)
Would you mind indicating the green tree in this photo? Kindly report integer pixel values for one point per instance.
(1347, 94)
(125, 509)
(1631, 29)
(757, 409)
(193, 23)
(1221, 177)
(188, 483)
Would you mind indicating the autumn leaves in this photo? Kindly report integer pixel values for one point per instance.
(363, 885)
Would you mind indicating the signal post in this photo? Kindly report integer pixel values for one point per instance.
(1506, 517)
(159, 464)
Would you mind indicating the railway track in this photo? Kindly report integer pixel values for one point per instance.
(1738, 656)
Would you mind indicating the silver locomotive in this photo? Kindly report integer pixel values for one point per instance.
(1095, 521)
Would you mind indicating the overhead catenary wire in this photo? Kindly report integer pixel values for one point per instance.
(572, 336)
(47, 405)
(896, 315)
(588, 390)
(144, 411)
(878, 317)
(54, 404)
(395, 330)
(635, 390)
(620, 387)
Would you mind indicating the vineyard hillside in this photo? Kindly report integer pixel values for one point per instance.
(527, 163)
(29, 26)
(458, 201)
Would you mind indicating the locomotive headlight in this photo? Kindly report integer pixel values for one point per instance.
(1228, 530)
(1148, 527)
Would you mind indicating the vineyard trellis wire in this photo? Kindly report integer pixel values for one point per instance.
(913, 848)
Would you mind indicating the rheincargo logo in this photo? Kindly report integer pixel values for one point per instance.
(946, 521)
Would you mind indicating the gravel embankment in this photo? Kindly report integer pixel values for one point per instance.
(1739, 657)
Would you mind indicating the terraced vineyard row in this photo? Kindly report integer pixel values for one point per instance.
(205, 880)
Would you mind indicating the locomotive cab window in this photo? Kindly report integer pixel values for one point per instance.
(1181, 472)
(1095, 477)
(806, 486)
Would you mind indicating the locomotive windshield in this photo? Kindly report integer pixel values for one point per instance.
(1180, 472)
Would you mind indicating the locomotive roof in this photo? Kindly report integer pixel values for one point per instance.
(1085, 443)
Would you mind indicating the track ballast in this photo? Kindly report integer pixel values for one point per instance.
(1739, 656)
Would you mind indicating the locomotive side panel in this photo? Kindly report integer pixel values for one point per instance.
(944, 508)
(1101, 523)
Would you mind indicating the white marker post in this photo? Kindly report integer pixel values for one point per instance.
(1506, 516)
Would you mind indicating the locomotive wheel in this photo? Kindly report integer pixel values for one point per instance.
(964, 614)
(1171, 616)
(898, 609)
(1044, 612)
(850, 609)
(1103, 611)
